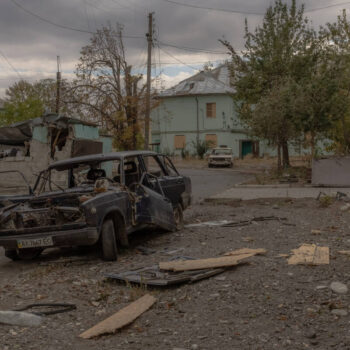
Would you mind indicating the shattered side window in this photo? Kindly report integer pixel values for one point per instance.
(153, 167)
(169, 167)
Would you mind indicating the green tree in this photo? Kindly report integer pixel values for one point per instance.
(24, 100)
(275, 53)
(336, 37)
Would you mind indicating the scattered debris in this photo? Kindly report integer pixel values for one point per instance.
(48, 309)
(17, 318)
(122, 318)
(225, 223)
(339, 287)
(316, 232)
(345, 207)
(248, 239)
(283, 256)
(152, 276)
(309, 254)
(208, 223)
(344, 252)
(258, 251)
(186, 265)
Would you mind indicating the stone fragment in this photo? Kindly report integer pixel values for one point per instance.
(18, 318)
(339, 287)
(339, 312)
(345, 207)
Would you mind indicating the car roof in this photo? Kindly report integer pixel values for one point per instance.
(97, 158)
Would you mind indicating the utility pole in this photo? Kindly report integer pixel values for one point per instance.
(149, 36)
(58, 86)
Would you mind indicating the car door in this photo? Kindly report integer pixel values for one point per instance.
(173, 184)
(152, 207)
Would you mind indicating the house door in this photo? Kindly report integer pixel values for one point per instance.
(247, 148)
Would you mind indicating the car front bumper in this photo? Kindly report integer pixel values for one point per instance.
(67, 238)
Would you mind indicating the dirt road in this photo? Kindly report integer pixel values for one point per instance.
(266, 304)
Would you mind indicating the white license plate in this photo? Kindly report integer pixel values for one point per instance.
(36, 242)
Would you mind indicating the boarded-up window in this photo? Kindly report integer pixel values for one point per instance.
(212, 140)
(211, 110)
(179, 141)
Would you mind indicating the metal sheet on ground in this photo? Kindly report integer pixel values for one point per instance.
(152, 276)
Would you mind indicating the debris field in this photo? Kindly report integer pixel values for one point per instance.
(293, 294)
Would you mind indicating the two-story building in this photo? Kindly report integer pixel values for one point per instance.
(200, 108)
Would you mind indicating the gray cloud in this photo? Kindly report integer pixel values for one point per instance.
(32, 45)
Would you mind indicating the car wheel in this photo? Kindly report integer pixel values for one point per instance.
(210, 166)
(11, 254)
(108, 241)
(178, 217)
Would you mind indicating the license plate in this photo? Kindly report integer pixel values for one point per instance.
(37, 242)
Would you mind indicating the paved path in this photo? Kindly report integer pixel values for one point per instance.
(208, 182)
(248, 193)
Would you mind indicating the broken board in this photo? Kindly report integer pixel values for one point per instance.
(122, 318)
(200, 264)
(309, 254)
(258, 251)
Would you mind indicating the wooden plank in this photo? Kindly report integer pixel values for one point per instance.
(344, 252)
(122, 318)
(188, 265)
(309, 254)
(258, 251)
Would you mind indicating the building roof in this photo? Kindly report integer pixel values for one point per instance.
(16, 134)
(97, 158)
(216, 81)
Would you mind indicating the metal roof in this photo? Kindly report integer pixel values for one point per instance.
(216, 81)
(97, 158)
(18, 133)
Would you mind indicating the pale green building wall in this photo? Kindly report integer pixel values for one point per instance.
(178, 116)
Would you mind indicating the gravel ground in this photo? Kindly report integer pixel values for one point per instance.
(265, 304)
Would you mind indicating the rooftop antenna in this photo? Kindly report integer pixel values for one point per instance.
(58, 85)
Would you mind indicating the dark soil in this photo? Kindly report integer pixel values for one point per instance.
(265, 304)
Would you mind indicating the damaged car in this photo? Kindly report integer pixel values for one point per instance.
(97, 199)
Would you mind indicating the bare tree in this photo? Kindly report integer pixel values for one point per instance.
(106, 91)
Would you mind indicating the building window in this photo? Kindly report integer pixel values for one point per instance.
(211, 140)
(211, 110)
(179, 141)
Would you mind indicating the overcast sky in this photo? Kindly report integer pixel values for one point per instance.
(30, 45)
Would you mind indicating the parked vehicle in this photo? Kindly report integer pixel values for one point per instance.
(221, 156)
(74, 203)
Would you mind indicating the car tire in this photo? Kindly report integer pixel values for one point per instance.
(11, 254)
(210, 166)
(178, 217)
(109, 241)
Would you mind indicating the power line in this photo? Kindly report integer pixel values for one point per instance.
(246, 12)
(193, 49)
(175, 58)
(212, 8)
(10, 64)
(61, 25)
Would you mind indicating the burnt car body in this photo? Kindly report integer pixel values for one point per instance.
(88, 207)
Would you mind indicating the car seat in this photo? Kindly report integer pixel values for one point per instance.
(131, 173)
(94, 174)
